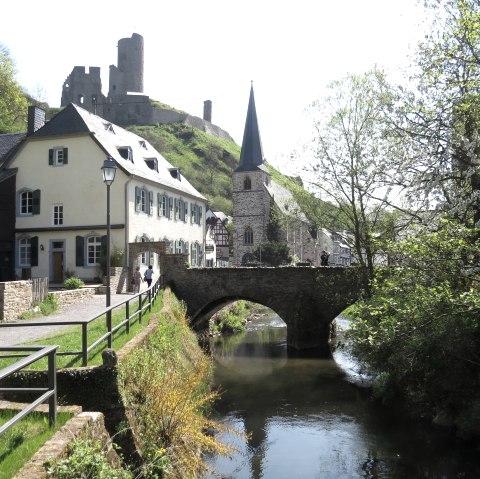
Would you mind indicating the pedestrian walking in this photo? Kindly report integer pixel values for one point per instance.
(149, 275)
(137, 279)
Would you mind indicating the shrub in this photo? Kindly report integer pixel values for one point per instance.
(86, 459)
(165, 384)
(48, 305)
(73, 283)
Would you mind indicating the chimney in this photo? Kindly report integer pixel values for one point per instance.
(207, 110)
(36, 119)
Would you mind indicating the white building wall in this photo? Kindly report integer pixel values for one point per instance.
(78, 186)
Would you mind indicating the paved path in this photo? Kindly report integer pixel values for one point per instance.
(85, 309)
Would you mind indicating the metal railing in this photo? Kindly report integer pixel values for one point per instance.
(49, 393)
(146, 299)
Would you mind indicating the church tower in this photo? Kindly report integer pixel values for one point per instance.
(251, 201)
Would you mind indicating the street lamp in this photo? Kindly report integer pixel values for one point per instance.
(108, 171)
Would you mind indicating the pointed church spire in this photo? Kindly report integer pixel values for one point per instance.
(251, 155)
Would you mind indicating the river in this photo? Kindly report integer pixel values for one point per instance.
(310, 418)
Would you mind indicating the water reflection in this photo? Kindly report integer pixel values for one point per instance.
(307, 419)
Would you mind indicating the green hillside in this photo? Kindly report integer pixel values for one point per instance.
(207, 162)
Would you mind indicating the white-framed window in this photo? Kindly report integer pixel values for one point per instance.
(57, 215)
(248, 235)
(180, 246)
(24, 252)
(126, 153)
(94, 248)
(143, 200)
(145, 258)
(152, 163)
(58, 156)
(26, 202)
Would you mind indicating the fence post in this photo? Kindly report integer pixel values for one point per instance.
(109, 327)
(150, 300)
(84, 344)
(140, 307)
(127, 316)
(52, 386)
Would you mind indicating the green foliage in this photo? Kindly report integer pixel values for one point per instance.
(231, 319)
(419, 333)
(165, 386)
(48, 306)
(20, 443)
(117, 257)
(13, 104)
(73, 283)
(86, 458)
(273, 253)
(207, 162)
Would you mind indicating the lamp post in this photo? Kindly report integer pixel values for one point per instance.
(108, 171)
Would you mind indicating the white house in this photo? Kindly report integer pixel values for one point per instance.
(61, 200)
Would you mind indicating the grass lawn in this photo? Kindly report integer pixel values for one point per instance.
(21, 442)
(70, 339)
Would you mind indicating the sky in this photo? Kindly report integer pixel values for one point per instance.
(197, 50)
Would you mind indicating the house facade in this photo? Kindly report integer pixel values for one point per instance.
(217, 222)
(61, 200)
(264, 211)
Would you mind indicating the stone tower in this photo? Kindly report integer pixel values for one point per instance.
(85, 89)
(127, 76)
(251, 200)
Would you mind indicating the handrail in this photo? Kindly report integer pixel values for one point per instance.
(149, 296)
(49, 393)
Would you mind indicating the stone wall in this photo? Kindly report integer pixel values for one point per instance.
(15, 299)
(72, 296)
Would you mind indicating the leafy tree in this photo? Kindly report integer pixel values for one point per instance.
(352, 158)
(441, 119)
(419, 333)
(273, 253)
(13, 104)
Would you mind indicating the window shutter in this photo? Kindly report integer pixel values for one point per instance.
(36, 202)
(170, 207)
(150, 202)
(200, 212)
(50, 156)
(103, 242)
(34, 251)
(159, 204)
(79, 251)
(65, 156)
(138, 198)
(175, 211)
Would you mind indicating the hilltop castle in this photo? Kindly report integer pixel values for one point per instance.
(126, 103)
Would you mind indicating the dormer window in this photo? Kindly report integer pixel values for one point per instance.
(143, 144)
(152, 163)
(126, 153)
(175, 173)
(109, 127)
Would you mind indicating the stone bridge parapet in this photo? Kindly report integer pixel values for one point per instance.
(308, 299)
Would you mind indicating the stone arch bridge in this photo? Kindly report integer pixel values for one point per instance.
(307, 299)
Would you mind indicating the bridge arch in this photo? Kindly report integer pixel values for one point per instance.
(307, 299)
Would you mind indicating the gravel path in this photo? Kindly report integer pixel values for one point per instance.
(85, 309)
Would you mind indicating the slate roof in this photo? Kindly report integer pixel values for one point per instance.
(75, 120)
(8, 141)
(251, 155)
(285, 201)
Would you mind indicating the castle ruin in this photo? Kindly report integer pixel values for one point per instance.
(126, 104)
